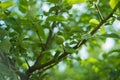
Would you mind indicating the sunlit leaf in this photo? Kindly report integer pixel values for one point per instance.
(92, 60)
(94, 21)
(7, 4)
(95, 68)
(25, 65)
(75, 1)
(113, 3)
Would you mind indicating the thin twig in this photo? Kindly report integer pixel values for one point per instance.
(32, 69)
(37, 32)
(98, 26)
(39, 58)
(46, 46)
(51, 33)
(27, 63)
(46, 68)
(99, 12)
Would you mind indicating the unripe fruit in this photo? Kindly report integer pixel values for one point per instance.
(59, 39)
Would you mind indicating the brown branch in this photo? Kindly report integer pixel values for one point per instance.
(38, 59)
(46, 46)
(38, 34)
(39, 37)
(32, 69)
(46, 68)
(103, 21)
(49, 39)
(50, 35)
(97, 27)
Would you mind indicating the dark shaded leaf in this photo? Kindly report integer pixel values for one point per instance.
(112, 35)
(56, 18)
(5, 45)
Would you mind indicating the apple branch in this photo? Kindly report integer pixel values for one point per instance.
(98, 26)
(99, 12)
(52, 62)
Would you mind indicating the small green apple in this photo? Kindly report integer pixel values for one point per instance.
(59, 39)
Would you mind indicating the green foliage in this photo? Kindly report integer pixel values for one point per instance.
(6, 73)
(23, 5)
(53, 1)
(6, 5)
(55, 18)
(5, 45)
(94, 21)
(75, 1)
(2, 33)
(35, 35)
(113, 3)
(112, 35)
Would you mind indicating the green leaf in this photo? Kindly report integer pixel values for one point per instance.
(70, 50)
(7, 4)
(92, 60)
(53, 1)
(55, 8)
(5, 45)
(23, 6)
(57, 54)
(75, 1)
(46, 56)
(2, 33)
(56, 18)
(116, 50)
(94, 21)
(40, 31)
(2, 67)
(6, 73)
(113, 3)
(112, 35)
(86, 36)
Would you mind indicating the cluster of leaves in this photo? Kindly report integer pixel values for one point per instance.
(36, 39)
(90, 69)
